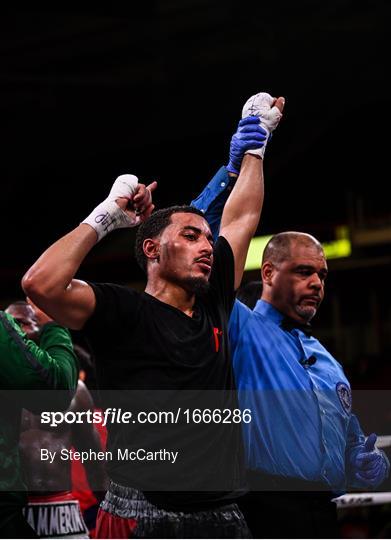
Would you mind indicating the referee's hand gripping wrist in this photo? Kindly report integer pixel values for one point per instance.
(249, 135)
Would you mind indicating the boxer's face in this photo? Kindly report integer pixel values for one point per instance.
(186, 251)
(26, 319)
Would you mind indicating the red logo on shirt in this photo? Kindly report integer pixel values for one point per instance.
(217, 333)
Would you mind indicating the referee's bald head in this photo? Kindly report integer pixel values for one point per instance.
(279, 247)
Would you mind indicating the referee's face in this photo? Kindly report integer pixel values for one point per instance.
(186, 251)
(298, 283)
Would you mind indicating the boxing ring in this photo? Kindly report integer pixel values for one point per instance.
(350, 500)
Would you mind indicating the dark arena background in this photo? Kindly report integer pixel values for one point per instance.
(156, 90)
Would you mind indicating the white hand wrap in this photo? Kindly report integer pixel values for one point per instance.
(108, 216)
(261, 105)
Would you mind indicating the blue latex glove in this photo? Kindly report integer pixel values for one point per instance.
(249, 135)
(370, 465)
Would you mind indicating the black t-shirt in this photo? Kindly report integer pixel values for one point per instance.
(171, 362)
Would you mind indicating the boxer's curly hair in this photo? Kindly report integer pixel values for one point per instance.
(154, 225)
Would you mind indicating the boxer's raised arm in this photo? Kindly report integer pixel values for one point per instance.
(243, 208)
(49, 282)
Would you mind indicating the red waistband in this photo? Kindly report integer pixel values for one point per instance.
(57, 496)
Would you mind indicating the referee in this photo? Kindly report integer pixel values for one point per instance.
(304, 445)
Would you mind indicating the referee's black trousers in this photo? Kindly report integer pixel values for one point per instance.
(279, 507)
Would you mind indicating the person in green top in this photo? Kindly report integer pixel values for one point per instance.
(27, 371)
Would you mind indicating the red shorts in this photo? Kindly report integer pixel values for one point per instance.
(55, 515)
(110, 526)
(149, 521)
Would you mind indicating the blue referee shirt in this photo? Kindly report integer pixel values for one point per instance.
(302, 425)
